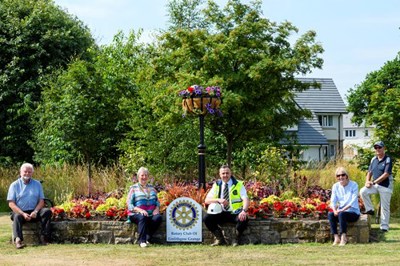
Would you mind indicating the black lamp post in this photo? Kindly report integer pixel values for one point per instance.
(200, 101)
(202, 155)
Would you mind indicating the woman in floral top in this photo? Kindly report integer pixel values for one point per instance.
(144, 207)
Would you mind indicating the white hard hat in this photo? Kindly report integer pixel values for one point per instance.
(214, 208)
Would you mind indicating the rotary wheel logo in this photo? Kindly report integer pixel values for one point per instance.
(184, 215)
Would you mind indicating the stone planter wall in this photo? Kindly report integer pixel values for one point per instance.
(271, 231)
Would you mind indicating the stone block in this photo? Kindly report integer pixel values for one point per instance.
(82, 225)
(104, 237)
(363, 234)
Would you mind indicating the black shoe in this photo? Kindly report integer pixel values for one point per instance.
(370, 212)
(384, 230)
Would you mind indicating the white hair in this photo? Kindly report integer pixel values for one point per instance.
(142, 170)
(26, 165)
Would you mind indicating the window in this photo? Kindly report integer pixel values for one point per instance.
(350, 133)
(366, 134)
(332, 150)
(325, 120)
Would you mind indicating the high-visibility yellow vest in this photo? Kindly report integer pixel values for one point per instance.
(235, 201)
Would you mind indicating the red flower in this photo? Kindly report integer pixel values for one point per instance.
(57, 210)
(190, 89)
(303, 209)
(87, 215)
(322, 207)
(288, 212)
(290, 204)
(278, 206)
(111, 212)
(251, 211)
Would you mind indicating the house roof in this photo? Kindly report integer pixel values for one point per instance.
(321, 100)
(310, 132)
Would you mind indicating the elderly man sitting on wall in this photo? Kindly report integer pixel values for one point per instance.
(26, 200)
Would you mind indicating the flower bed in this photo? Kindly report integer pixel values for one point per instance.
(263, 204)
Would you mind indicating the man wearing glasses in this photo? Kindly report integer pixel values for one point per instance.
(379, 180)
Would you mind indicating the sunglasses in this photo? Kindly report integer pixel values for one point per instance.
(377, 148)
(339, 175)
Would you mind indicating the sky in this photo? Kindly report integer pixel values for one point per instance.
(358, 36)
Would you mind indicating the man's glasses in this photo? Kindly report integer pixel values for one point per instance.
(377, 148)
(339, 175)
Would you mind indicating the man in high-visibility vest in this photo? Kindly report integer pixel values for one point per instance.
(231, 194)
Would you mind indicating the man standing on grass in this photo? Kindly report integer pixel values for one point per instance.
(26, 200)
(379, 180)
(232, 196)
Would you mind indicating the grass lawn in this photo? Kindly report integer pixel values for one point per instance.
(384, 252)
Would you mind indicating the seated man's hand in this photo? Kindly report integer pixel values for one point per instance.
(242, 216)
(33, 214)
(26, 216)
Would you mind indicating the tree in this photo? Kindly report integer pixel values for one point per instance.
(376, 101)
(80, 119)
(36, 37)
(245, 54)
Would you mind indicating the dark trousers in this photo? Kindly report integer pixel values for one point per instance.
(343, 218)
(44, 216)
(147, 225)
(213, 221)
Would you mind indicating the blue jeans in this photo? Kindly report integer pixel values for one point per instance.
(147, 225)
(343, 218)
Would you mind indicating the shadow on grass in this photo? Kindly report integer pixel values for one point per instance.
(376, 235)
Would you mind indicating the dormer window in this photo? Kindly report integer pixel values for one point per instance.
(325, 120)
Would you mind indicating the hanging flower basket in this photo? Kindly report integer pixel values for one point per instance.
(200, 101)
(201, 105)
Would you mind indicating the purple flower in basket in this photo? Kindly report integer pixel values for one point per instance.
(198, 90)
(210, 109)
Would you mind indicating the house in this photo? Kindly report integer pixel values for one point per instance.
(355, 137)
(321, 136)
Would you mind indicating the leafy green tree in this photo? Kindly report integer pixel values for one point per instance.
(36, 37)
(236, 48)
(376, 101)
(80, 119)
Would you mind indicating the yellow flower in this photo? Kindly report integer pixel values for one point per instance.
(270, 200)
(310, 207)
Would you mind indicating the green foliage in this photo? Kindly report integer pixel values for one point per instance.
(276, 169)
(235, 48)
(377, 102)
(273, 164)
(80, 119)
(364, 158)
(37, 37)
